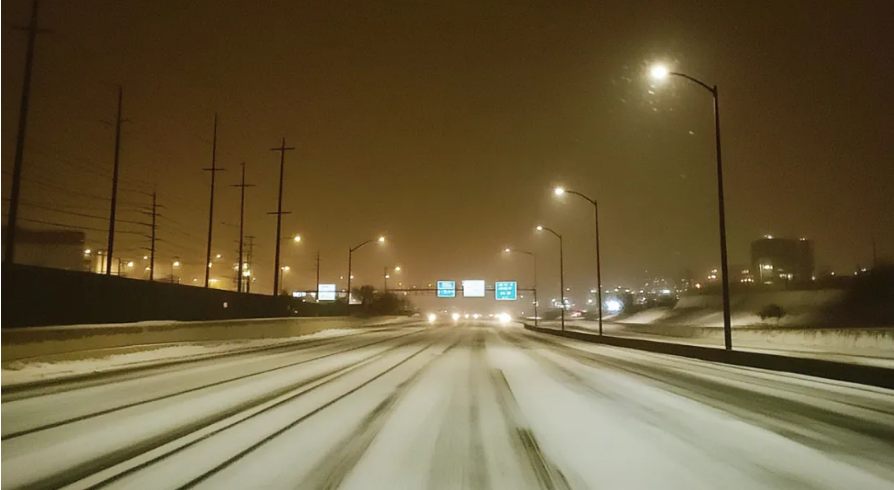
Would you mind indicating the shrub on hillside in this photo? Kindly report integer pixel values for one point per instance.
(771, 311)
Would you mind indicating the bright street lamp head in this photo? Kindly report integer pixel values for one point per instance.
(659, 72)
(296, 238)
(507, 250)
(559, 191)
(397, 269)
(381, 239)
(539, 227)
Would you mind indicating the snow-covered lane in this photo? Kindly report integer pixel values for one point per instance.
(455, 406)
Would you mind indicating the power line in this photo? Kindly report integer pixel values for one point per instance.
(75, 213)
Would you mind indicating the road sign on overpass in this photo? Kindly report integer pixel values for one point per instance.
(446, 289)
(506, 291)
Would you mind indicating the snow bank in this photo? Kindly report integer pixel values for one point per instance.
(80, 341)
(26, 371)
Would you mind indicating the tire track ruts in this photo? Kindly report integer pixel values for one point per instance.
(107, 411)
(204, 476)
(88, 468)
(717, 395)
(547, 473)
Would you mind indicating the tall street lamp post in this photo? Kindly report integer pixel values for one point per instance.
(351, 251)
(561, 270)
(559, 191)
(387, 274)
(534, 258)
(659, 72)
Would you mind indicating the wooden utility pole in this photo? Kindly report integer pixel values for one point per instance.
(213, 171)
(318, 277)
(111, 246)
(279, 212)
(153, 237)
(11, 222)
(242, 187)
(249, 255)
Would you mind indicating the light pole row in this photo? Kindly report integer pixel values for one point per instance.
(660, 73)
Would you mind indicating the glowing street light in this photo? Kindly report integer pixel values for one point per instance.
(387, 275)
(560, 191)
(175, 263)
(659, 73)
(561, 269)
(296, 238)
(351, 251)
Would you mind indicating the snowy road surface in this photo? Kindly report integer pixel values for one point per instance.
(474, 405)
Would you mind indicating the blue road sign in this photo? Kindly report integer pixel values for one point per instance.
(446, 289)
(506, 290)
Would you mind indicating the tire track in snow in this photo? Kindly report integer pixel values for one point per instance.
(687, 435)
(84, 469)
(747, 405)
(310, 385)
(548, 474)
(241, 454)
(79, 418)
(339, 462)
(459, 434)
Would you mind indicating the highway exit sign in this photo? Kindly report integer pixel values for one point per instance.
(506, 290)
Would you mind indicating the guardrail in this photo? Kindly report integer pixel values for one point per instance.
(854, 373)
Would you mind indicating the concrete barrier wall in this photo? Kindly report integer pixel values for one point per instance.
(37, 296)
(25, 343)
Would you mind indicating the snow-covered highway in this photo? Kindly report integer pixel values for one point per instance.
(469, 405)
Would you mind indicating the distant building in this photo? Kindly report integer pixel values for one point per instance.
(59, 249)
(781, 260)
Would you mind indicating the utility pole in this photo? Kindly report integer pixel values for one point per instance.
(114, 187)
(11, 222)
(153, 238)
(248, 260)
(279, 212)
(213, 171)
(241, 187)
(318, 276)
